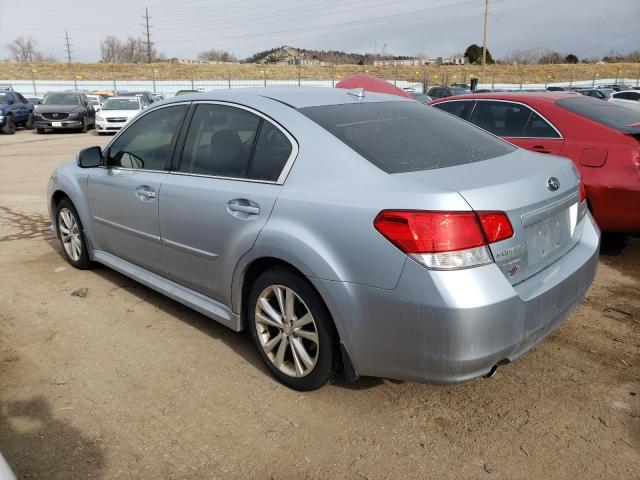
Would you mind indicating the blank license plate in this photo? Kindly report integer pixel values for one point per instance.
(56, 124)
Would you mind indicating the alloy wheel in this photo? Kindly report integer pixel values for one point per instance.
(287, 331)
(70, 235)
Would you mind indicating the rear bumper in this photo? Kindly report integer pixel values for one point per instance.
(616, 208)
(448, 327)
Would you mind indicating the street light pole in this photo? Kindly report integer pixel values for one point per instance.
(484, 41)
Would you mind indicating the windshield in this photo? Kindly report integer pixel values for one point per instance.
(61, 99)
(421, 97)
(93, 101)
(611, 114)
(121, 104)
(402, 137)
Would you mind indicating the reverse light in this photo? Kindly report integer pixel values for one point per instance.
(444, 240)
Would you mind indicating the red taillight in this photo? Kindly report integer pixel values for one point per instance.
(444, 240)
(496, 226)
(430, 232)
(583, 192)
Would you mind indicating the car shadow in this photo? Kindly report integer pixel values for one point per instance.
(613, 244)
(37, 444)
(239, 342)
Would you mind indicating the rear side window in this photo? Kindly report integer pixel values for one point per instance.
(230, 142)
(459, 108)
(402, 137)
(610, 114)
(508, 119)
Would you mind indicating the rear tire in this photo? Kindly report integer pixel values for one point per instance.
(9, 127)
(71, 235)
(292, 329)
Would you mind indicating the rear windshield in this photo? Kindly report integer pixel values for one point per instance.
(402, 137)
(619, 117)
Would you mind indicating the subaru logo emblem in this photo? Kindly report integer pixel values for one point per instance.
(553, 184)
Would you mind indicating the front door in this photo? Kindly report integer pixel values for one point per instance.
(214, 206)
(124, 194)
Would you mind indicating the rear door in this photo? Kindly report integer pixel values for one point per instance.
(518, 124)
(221, 194)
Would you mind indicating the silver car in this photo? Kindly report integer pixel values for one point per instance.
(344, 230)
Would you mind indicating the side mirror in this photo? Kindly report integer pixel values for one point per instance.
(89, 157)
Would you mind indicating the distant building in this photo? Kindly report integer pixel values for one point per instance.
(414, 62)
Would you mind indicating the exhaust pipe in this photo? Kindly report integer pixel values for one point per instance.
(492, 372)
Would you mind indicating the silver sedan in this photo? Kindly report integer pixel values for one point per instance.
(344, 230)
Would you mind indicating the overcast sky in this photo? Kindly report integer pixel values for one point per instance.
(434, 27)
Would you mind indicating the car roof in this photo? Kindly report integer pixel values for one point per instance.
(513, 96)
(296, 97)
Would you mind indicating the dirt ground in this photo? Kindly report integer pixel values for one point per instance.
(125, 383)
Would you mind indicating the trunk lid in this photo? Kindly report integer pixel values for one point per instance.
(545, 220)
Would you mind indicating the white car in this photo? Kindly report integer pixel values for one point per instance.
(626, 96)
(96, 101)
(116, 112)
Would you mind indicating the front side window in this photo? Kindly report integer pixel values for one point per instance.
(400, 137)
(145, 143)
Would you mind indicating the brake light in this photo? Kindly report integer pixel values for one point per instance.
(444, 240)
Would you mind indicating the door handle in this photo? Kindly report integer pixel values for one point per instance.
(243, 205)
(145, 192)
(541, 149)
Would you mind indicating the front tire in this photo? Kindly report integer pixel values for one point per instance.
(71, 235)
(84, 125)
(292, 329)
(9, 127)
(39, 131)
(29, 123)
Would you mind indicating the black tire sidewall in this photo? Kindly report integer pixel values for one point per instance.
(84, 127)
(84, 262)
(29, 123)
(9, 127)
(328, 351)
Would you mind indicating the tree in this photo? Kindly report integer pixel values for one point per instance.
(131, 50)
(474, 54)
(571, 58)
(550, 57)
(214, 55)
(23, 50)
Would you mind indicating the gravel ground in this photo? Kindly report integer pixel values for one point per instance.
(103, 378)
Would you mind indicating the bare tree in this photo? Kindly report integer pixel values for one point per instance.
(131, 50)
(217, 56)
(110, 49)
(23, 50)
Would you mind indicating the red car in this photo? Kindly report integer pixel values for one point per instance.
(601, 138)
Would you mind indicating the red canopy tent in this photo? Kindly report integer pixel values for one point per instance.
(371, 84)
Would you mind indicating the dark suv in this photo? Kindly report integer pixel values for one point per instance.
(441, 92)
(64, 111)
(15, 111)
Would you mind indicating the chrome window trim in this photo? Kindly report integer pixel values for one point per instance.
(560, 137)
(285, 169)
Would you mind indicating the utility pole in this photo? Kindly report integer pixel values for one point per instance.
(147, 33)
(73, 68)
(484, 41)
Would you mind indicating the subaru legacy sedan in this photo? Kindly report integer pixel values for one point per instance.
(344, 230)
